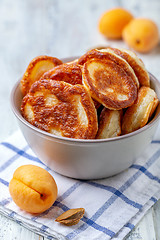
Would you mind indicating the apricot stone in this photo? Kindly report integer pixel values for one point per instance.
(33, 189)
(112, 22)
(141, 34)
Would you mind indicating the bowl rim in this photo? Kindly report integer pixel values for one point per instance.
(16, 112)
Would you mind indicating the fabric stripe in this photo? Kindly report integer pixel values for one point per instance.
(43, 228)
(153, 199)
(4, 182)
(21, 152)
(50, 237)
(99, 228)
(65, 208)
(11, 214)
(88, 221)
(70, 190)
(146, 172)
(155, 141)
(60, 199)
(129, 225)
(61, 205)
(5, 201)
(117, 193)
(11, 160)
(112, 199)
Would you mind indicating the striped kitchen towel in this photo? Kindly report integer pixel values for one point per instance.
(113, 206)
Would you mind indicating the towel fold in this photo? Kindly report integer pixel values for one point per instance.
(113, 206)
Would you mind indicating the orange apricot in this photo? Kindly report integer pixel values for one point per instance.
(112, 22)
(33, 189)
(141, 34)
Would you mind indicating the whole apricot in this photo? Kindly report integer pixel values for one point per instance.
(112, 22)
(141, 34)
(33, 189)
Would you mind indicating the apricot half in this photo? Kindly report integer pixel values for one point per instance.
(141, 34)
(33, 189)
(112, 22)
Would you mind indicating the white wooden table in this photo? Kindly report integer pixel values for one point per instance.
(61, 28)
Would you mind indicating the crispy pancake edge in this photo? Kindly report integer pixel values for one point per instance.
(104, 122)
(137, 65)
(128, 124)
(86, 102)
(104, 54)
(68, 72)
(26, 82)
(104, 99)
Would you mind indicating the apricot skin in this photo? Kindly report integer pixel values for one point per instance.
(112, 22)
(141, 34)
(33, 189)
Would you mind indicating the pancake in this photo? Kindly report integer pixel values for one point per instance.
(109, 124)
(110, 81)
(68, 72)
(36, 69)
(141, 111)
(104, 54)
(61, 109)
(136, 63)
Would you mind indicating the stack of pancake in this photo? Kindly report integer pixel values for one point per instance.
(103, 94)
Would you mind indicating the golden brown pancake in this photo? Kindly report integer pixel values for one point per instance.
(68, 72)
(61, 109)
(109, 124)
(136, 64)
(108, 54)
(141, 111)
(110, 81)
(36, 69)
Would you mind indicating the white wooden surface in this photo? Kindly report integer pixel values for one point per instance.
(61, 28)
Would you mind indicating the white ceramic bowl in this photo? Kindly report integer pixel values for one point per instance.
(86, 159)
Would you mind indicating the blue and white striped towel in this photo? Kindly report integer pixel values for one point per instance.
(113, 205)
